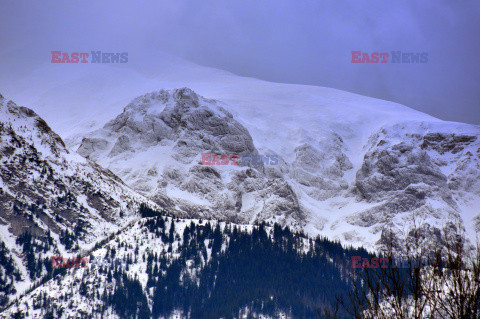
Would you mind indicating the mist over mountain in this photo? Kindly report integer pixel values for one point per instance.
(107, 139)
(335, 148)
(239, 159)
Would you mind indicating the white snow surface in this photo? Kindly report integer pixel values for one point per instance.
(76, 99)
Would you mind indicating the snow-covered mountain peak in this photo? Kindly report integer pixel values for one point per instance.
(31, 126)
(323, 138)
(349, 171)
(154, 102)
(172, 106)
(51, 193)
(178, 119)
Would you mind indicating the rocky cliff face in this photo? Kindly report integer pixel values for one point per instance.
(431, 176)
(157, 143)
(332, 182)
(45, 190)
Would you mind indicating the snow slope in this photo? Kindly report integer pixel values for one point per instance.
(355, 165)
(47, 190)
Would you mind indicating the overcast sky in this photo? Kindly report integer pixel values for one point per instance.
(291, 41)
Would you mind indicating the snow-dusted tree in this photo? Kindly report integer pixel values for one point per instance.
(440, 280)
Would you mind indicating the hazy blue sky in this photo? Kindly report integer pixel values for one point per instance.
(293, 41)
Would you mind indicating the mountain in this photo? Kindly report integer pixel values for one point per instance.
(332, 163)
(349, 166)
(350, 181)
(52, 200)
(156, 146)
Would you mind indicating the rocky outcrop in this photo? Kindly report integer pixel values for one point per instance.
(426, 176)
(323, 181)
(46, 191)
(175, 127)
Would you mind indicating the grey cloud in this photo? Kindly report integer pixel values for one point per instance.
(291, 41)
